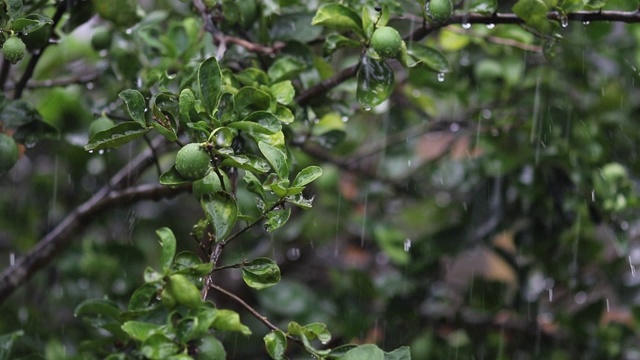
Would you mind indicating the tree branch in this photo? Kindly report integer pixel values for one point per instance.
(112, 194)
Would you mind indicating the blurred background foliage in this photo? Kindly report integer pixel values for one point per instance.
(487, 213)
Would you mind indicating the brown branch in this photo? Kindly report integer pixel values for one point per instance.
(116, 193)
(254, 312)
(80, 79)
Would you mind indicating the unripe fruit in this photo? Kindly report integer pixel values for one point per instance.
(192, 162)
(248, 12)
(386, 41)
(440, 10)
(101, 124)
(183, 291)
(210, 184)
(14, 49)
(122, 13)
(101, 39)
(167, 300)
(8, 153)
(614, 172)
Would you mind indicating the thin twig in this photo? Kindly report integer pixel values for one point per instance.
(254, 312)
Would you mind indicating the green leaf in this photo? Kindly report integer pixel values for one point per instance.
(430, 57)
(6, 343)
(338, 17)
(375, 82)
(141, 299)
(307, 175)
(283, 92)
(140, 330)
(196, 270)
(135, 103)
(34, 131)
(296, 27)
(168, 242)
(364, 352)
(277, 218)
(151, 276)
(484, 7)
(229, 320)
(311, 331)
(371, 18)
(335, 41)
(221, 210)
(261, 273)
(158, 346)
(534, 14)
(246, 162)
(17, 113)
(285, 68)
(172, 178)
(401, 353)
(13, 8)
(98, 308)
(594, 4)
(284, 114)
(31, 23)
(209, 83)
(250, 99)
(262, 122)
(276, 344)
(210, 348)
(118, 135)
(276, 158)
(186, 103)
(253, 184)
(300, 201)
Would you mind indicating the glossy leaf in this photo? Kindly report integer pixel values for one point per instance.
(158, 346)
(430, 57)
(172, 178)
(484, 7)
(168, 242)
(283, 92)
(338, 17)
(276, 219)
(261, 273)
(401, 353)
(284, 114)
(247, 162)
(140, 330)
(261, 122)
(276, 344)
(17, 113)
(116, 136)
(375, 82)
(6, 343)
(221, 211)
(210, 348)
(229, 320)
(135, 104)
(372, 18)
(335, 41)
(534, 14)
(250, 99)
(364, 352)
(209, 84)
(98, 308)
(142, 297)
(300, 201)
(307, 175)
(276, 158)
(285, 68)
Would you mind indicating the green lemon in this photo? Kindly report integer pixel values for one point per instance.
(440, 10)
(210, 184)
(101, 39)
(14, 49)
(167, 300)
(122, 13)
(192, 161)
(100, 124)
(386, 41)
(8, 153)
(183, 291)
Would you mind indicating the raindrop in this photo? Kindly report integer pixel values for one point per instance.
(440, 77)
(12, 258)
(593, 195)
(586, 22)
(486, 114)
(345, 119)
(293, 254)
(633, 268)
(101, 151)
(454, 127)
(409, 163)
(90, 151)
(407, 245)
(608, 307)
(624, 225)
(580, 298)
(30, 142)
(466, 26)
(550, 290)
(89, 85)
(367, 108)
(564, 21)
(491, 26)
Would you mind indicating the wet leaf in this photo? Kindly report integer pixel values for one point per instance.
(261, 273)
(135, 104)
(285, 68)
(283, 92)
(484, 7)
(211, 348)
(172, 178)
(228, 320)
(335, 41)
(364, 352)
(168, 242)
(158, 346)
(142, 298)
(209, 83)
(338, 17)
(221, 211)
(6, 343)
(262, 122)
(430, 57)
(276, 158)
(140, 330)
(276, 219)
(534, 14)
(116, 136)
(276, 344)
(250, 99)
(375, 82)
(307, 175)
